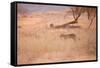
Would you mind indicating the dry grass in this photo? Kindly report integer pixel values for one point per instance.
(38, 43)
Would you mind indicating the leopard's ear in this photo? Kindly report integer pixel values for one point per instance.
(51, 25)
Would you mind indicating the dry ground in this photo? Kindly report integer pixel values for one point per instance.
(38, 43)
